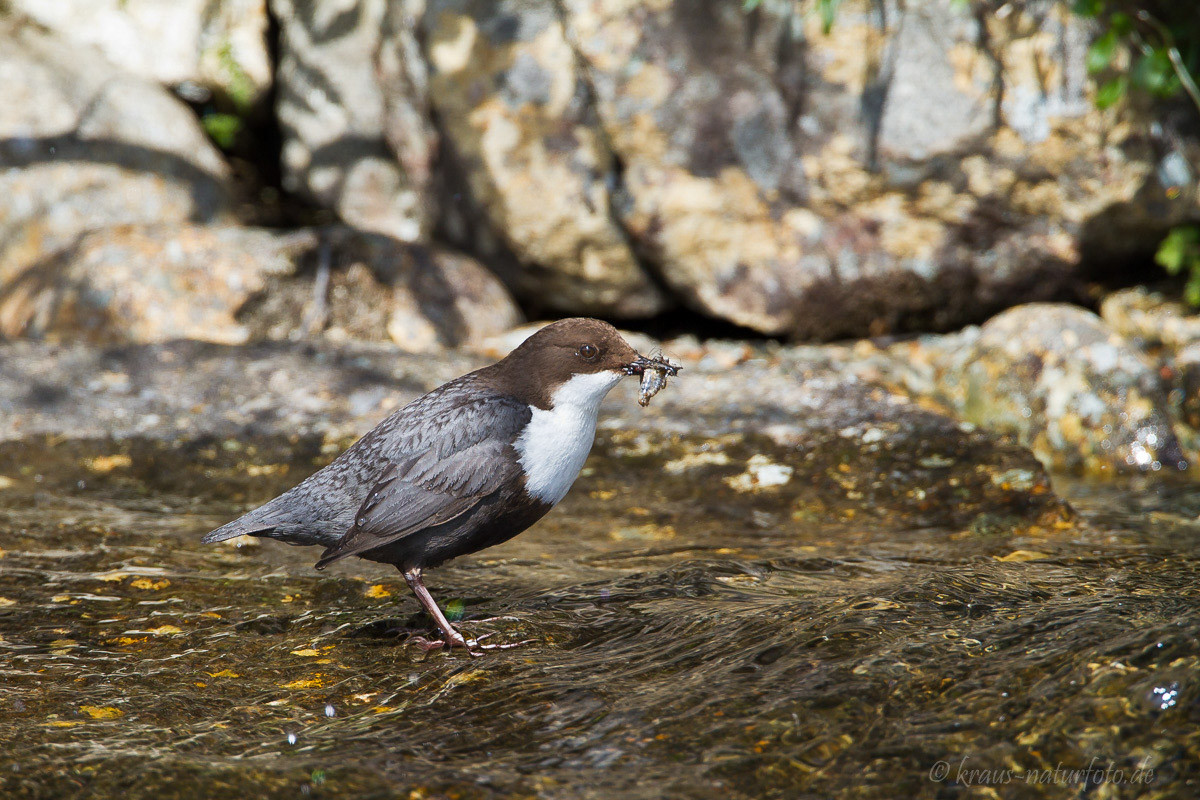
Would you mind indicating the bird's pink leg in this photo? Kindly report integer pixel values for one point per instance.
(451, 637)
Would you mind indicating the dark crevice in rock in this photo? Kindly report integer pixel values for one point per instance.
(983, 41)
(880, 68)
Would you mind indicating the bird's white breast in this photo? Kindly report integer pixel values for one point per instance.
(556, 442)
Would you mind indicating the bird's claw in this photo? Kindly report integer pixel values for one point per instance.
(474, 647)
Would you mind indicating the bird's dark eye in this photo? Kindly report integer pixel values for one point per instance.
(589, 352)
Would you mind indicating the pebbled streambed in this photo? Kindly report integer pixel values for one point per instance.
(710, 618)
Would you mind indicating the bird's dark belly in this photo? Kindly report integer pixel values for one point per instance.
(496, 519)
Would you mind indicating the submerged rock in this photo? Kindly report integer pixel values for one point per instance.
(1070, 388)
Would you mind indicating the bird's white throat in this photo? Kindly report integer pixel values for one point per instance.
(555, 444)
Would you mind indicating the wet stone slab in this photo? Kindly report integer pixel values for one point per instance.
(826, 601)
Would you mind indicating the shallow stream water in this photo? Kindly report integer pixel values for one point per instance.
(689, 639)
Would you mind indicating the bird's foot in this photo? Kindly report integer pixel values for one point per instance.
(474, 647)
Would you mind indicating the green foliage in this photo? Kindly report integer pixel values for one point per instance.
(1164, 54)
(223, 129)
(826, 9)
(240, 86)
(1180, 253)
(1164, 60)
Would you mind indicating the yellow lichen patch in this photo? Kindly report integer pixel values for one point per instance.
(649, 531)
(5, 601)
(306, 653)
(128, 640)
(105, 464)
(165, 630)
(382, 709)
(1022, 555)
(146, 583)
(225, 673)
(210, 614)
(306, 683)
(64, 723)
(378, 590)
(102, 712)
(60, 598)
(112, 577)
(258, 470)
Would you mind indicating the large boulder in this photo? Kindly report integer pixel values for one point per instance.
(221, 45)
(134, 284)
(352, 107)
(85, 146)
(516, 113)
(421, 298)
(914, 167)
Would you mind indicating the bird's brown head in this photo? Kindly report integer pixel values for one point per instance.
(569, 348)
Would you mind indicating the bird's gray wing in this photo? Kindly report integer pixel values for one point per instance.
(447, 457)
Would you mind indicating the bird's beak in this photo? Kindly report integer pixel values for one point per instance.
(641, 364)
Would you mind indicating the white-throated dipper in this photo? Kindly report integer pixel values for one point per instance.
(469, 465)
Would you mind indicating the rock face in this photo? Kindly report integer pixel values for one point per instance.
(423, 299)
(351, 97)
(1076, 393)
(129, 284)
(870, 179)
(221, 45)
(912, 168)
(516, 113)
(85, 146)
(227, 284)
(1150, 318)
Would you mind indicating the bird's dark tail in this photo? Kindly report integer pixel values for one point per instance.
(262, 521)
(239, 527)
(288, 518)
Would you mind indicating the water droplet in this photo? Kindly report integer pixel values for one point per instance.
(291, 738)
(329, 710)
(362, 521)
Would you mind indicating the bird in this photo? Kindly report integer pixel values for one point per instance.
(467, 466)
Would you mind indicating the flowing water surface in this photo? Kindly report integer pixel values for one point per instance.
(689, 638)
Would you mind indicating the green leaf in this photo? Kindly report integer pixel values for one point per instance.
(1180, 248)
(1120, 24)
(1100, 54)
(828, 11)
(1088, 8)
(222, 128)
(1191, 292)
(1111, 92)
(1154, 73)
